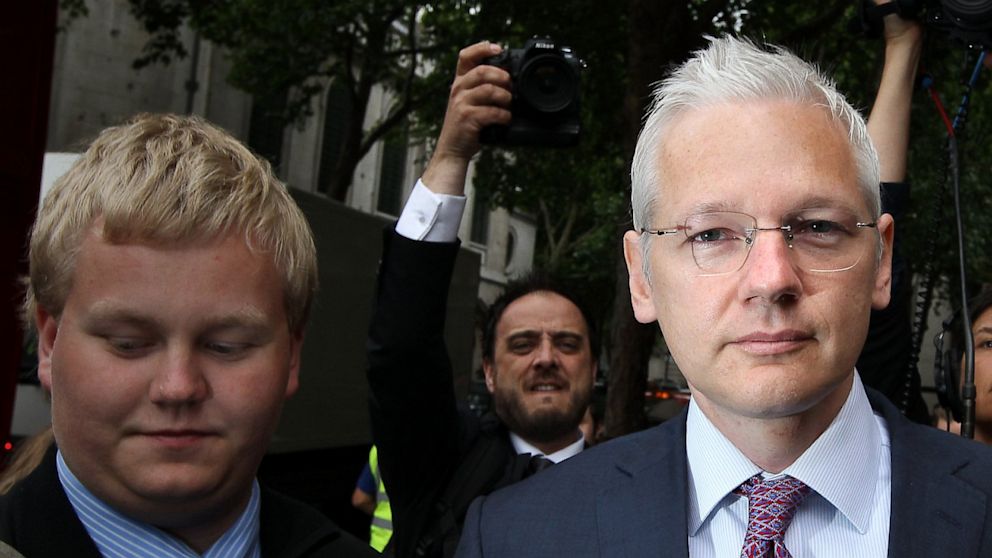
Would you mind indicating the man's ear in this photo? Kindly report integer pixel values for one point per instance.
(489, 371)
(882, 292)
(641, 298)
(48, 331)
(295, 349)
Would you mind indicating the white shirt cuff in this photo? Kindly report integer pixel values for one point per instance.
(431, 217)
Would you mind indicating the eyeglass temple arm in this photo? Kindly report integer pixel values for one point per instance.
(660, 232)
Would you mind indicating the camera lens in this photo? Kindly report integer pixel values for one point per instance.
(547, 83)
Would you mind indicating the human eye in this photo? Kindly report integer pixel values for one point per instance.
(714, 235)
(520, 345)
(128, 346)
(569, 344)
(822, 228)
(228, 350)
(819, 227)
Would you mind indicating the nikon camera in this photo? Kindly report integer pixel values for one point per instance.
(545, 86)
(969, 21)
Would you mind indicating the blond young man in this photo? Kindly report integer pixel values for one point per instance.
(170, 279)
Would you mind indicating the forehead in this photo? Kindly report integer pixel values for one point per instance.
(984, 319)
(190, 281)
(541, 310)
(762, 156)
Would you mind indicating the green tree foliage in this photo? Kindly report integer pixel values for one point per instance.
(301, 46)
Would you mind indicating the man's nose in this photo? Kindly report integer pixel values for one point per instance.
(180, 380)
(770, 272)
(544, 355)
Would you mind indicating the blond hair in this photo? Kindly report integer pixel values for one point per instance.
(168, 179)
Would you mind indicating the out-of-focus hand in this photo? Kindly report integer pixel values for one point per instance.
(480, 96)
(888, 123)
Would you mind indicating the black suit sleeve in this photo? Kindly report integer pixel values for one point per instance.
(415, 421)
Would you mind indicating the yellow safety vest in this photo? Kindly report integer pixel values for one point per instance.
(382, 518)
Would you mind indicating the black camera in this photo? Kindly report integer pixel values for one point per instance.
(969, 21)
(545, 86)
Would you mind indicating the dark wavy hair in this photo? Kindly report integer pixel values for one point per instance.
(978, 304)
(537, 281)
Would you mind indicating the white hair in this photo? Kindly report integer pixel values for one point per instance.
(734, 70)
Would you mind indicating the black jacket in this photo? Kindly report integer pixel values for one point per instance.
(423, 440)
(37, 519)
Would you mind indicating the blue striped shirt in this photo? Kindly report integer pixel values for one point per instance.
(117, 536)
(848, 467)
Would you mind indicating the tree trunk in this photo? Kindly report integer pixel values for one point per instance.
(661, 33)
(340, 180)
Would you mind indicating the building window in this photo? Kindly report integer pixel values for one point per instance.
(392, 172)
(337, 111)
(480, 219)
(265, 130)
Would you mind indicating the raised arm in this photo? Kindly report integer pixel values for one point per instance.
(415, 422)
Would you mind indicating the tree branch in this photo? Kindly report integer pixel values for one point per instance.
(401, 110)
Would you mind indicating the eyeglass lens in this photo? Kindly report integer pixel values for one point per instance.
(821, 240)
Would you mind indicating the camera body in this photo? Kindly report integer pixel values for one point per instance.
(545, 85)
(968, 21)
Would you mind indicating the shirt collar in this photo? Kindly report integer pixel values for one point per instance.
(716, 466)
(850, 444)
(115, 534)
(521, 446)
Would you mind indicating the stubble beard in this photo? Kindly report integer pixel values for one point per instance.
(543, 425)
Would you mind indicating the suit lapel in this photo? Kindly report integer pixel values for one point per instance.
(934, 513)
(642, 512)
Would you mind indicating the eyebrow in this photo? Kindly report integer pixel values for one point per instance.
(806, 203)
(245, 317)
(559, 334)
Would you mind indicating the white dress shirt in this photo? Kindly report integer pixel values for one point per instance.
(571, 450)
(848, 467)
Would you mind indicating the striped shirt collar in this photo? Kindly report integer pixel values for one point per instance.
(841, 465)
(117, 536)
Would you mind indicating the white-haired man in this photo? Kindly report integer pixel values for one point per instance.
(760, 249)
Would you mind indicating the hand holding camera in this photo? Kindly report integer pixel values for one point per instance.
(526, 96)
(545, 105)
(480, 97)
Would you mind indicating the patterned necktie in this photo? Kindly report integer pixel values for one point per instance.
(771, 506)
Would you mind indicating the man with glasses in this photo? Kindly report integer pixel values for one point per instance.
(760, 249)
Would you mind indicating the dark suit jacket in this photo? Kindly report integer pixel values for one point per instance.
(421, 436)
(629, 498)
(37, 519)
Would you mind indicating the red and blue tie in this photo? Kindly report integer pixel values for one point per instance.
(771, 507)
